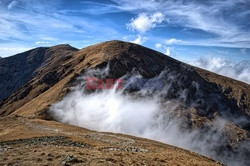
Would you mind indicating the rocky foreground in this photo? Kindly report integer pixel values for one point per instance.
(25, 141)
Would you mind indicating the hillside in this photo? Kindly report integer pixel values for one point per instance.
(18, 70)
(207, 98)
(35, 141)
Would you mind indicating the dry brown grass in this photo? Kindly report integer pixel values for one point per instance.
(29, 142)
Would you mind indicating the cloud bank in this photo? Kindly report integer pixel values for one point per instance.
(119, 112)
(239, 71)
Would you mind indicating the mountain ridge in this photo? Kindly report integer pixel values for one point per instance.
(23, 66)
(100, 56)
(58, 75)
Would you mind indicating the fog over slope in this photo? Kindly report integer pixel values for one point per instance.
(144, 113)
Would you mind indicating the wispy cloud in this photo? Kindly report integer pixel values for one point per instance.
(42, 42)
(34, 21)
(12, 4)
(81, 23)
(173, 41)
(214, 17)
(12, 49)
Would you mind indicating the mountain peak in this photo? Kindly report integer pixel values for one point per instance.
(63, 46)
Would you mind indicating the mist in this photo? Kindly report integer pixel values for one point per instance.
(239, 71)
(140, 114)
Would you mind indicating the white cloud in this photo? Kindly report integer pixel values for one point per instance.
(239, 71)
(114, 111)
(173, 41)
(208, 17)
(12, 4)
(139, 40)
(7, 50)
(26, 25)
(208, 42)
(168, 52)
(144, 22)
(158, 45)
(42, 42)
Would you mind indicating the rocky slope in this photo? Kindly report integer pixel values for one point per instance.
(208, 96)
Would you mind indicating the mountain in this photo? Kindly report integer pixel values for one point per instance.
(33, 81)
(18, 70)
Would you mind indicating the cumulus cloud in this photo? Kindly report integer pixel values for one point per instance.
(158, 45)
(139, 40)
(168, 52)
(144, 22)
(239, 71)
(173, 41)
(166, 45)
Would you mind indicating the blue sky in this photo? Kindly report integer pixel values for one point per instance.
(188, 30)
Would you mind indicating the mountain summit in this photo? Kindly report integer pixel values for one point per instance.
(33, 81)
